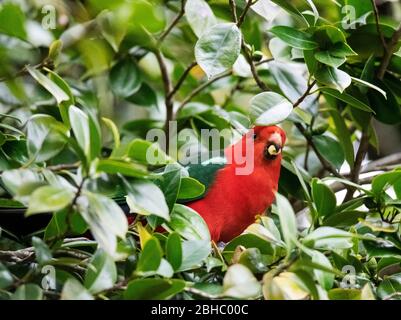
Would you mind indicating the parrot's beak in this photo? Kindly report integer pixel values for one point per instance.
(276, 139)
(273, 147)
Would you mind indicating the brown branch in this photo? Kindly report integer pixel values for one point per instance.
(167, 89)
(173, 23)
(360, 155)
(252, 65)
(62, 167)
(326, 165)
(18, 256)
(182, 79)
(391, 47)
(233, 7)
(24, 71)
(206, 84)
(383, 163)
(379, 30)
(305, 95)
(241, 19)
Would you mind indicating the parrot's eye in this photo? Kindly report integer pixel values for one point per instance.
(272, 150)
(255, 136)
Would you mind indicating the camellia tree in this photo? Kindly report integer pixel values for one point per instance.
(84, 83)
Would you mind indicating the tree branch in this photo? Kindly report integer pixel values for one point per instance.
(305, 95)
(241, 19)
(360, 155)
(252, 65)
(379, 30)
(173, 23)
(233, 7)
(182, 79)
(206, 84)
(391, 47)
(326, 165)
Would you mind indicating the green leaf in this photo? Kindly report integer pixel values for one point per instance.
(342, 132)
(290, 8)
(129, 169)
(58, 93)
(327, 58)
(49, 199)
(188, 223)
(144, 97)
(114, 130)
(240, 283)
(288, 222)
(153, 289)
(383, 181)
(21, 182)
(46, 137)
(174, 250)
(194, 253)
(324, 199)
(347, 98)
(148, 153)
(86, 132)
(146, 198)
(12, 20)
(125, 78)
(390, 285)
(248, 240)
(200, 16)
(150, 257)
(190, 188)
(387, 108)
(287, 286)
(292, 83)
(330, 149)
(328, 238)
(101, 273)
(63, 106)
(295, 38)
(192, 109)
(269, 108)
(218, 49)
(74, 290)
(6, 278)
(344, 294)
(42, 251)
(105, 219)
(28, 291)
(170, 184)
(333, 78)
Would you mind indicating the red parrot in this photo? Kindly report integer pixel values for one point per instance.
(232, 201)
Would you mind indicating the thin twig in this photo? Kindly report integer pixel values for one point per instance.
(391, 47)
(252, 65)
(326, 165)
(174, 22)
(379, 29)
(182, 79)
(197, 90)
(206, 84)
(305, 95)
(241, 19)
(233, 7)
(360, 155)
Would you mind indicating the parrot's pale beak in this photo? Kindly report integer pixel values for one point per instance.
(273, 147)
(276, 139)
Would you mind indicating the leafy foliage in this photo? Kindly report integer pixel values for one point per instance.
(86, 215)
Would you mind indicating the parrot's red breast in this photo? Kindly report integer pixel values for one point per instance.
(237, 196)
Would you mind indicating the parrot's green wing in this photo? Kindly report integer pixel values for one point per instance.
(205, 172)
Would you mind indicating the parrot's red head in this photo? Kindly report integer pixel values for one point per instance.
(268, 143)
